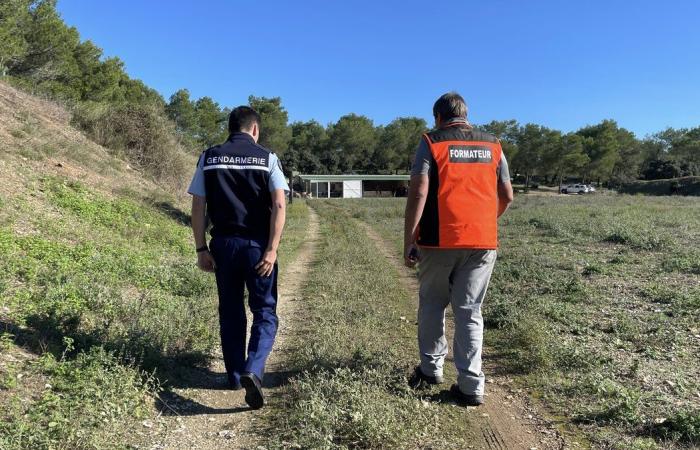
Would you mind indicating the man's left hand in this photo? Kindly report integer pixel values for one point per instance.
(267, 263)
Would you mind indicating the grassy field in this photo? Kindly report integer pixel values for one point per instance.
(101, 301)
(595, 307)
(355, 346)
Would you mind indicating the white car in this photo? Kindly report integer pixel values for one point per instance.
(575, 189)
(590, 188)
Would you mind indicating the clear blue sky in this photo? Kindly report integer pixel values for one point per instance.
(562, 64)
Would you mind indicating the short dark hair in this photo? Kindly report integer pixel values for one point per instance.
(242, 118)
(449, 106)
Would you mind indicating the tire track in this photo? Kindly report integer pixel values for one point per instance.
(506, 420)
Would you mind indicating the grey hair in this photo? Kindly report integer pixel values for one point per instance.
(449, 106)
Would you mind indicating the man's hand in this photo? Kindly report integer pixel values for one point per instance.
(205, 261)
(410, 255)
(267, 263)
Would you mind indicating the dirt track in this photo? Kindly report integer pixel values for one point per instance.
(507, 420)
(198, 413)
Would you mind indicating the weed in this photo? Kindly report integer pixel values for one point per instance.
(6, 340)
(683, 426)
(689, 263)
(639, 239)
(87, 402)
(355, 354)
(593, 269)
(603, 322)
(528, 342)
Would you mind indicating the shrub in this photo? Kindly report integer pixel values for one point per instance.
(671, 186)
(139, 133)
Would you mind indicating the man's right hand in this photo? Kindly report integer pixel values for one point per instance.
(410, 255)
(205, 261)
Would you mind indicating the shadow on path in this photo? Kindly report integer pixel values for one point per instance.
(174, 404)
(205, 378)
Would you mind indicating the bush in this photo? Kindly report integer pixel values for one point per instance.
(139, 133)
(671, 186)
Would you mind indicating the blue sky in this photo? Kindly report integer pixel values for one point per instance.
(562, 64)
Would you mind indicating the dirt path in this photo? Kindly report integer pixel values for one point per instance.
(199, 413)
(507, 420)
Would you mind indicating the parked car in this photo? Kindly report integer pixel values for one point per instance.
(590, 188)
(574, 189)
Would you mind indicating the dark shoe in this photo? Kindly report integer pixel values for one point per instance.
(253, 390)
(419, 380)
(466, 399)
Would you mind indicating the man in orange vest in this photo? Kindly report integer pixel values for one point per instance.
(460, 185)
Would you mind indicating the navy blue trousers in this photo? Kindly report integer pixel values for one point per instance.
(235, 269)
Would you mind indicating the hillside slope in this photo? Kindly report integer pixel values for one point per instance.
(97, 285)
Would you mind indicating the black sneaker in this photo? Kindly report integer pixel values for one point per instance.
(466, 399)
(253, 390)
(419, 380)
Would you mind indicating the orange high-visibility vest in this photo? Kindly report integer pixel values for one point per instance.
(462, 205)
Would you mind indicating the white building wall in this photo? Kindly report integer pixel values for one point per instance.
(352, 189)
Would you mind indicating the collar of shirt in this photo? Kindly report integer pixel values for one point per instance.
(456, 121)
(241, 135)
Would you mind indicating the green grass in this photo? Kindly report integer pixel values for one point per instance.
(355, 349)
(595, 304)
(102, 291)
(91, 401)
(107, 271)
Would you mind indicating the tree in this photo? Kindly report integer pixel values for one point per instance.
(354, 138)
(274, 132)
(49, 61)
(507, 131)
(568, 157)
(532, 143)
(211, 128)
(99, 80)
(661, 169)
(630, 157)
(309, 139)
(685, 148)
(136, 92)
(181, 110)
(14, 18)
(602, 148)
(397, 144)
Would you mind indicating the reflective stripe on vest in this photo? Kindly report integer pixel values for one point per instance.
(462, 205)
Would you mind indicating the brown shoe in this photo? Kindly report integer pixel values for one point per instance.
(466, 399)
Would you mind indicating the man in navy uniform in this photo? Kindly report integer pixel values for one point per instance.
(240, 186)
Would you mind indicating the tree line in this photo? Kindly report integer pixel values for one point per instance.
(40, 53)
(604, 152)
